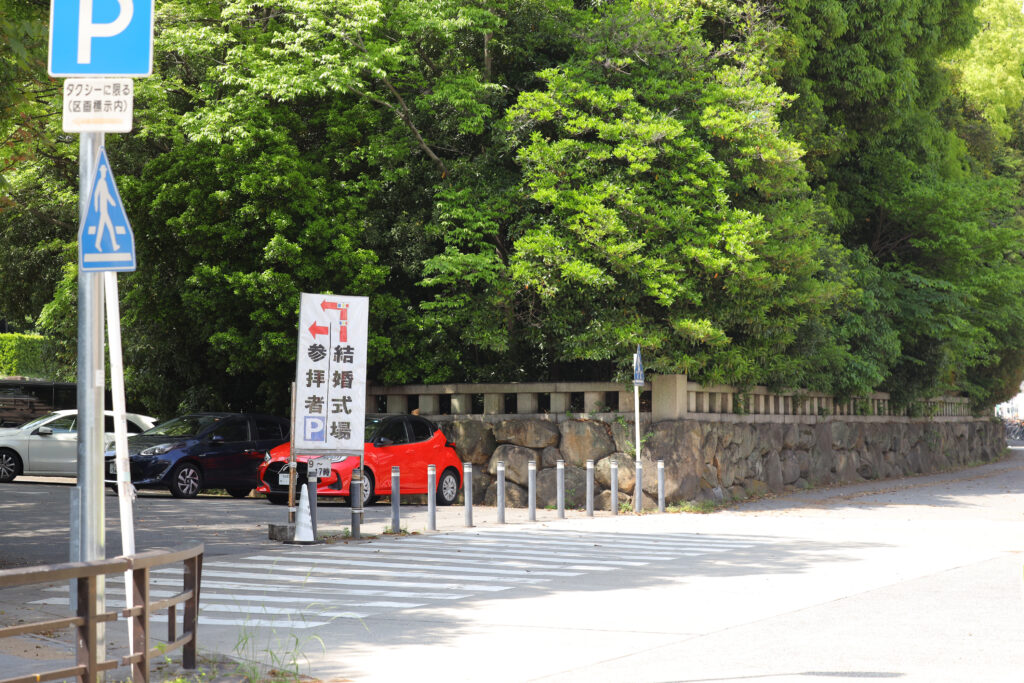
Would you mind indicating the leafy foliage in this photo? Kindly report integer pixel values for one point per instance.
(822, 195)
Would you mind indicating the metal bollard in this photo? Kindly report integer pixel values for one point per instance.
(615, 486)
(638, 488)
(531, 494)
(355, 497)
(501, 492)
(661, 486)
(396, 499)
(590, 488)
(560, 489)
(311, 496)
(467, 490)
(431, 498)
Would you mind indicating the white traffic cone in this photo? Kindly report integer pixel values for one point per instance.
(304, 521)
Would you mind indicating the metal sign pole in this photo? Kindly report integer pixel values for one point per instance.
(91, 381)
(292, 464)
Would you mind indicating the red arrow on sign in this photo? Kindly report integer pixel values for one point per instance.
(315, 329)
(337, 306)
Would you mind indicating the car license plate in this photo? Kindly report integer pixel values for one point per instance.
(111, 470)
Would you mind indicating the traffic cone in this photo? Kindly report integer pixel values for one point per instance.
(304, 521)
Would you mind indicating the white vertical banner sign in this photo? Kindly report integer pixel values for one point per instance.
(330, 374)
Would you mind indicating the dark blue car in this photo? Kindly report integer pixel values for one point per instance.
(202, 451)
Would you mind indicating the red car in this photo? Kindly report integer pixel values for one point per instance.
(409, 441)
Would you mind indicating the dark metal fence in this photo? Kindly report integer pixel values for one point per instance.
(86, 620)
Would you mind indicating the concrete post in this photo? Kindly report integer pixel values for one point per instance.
(462, 404)
(668, 397)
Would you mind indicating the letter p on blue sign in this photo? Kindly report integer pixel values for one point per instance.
(314, 428)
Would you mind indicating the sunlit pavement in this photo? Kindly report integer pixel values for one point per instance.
(913, 580)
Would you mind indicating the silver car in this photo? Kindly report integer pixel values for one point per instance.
(48, 445)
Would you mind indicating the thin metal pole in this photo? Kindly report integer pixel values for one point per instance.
(614, 503)
(396, 499)
(292, 464)
(431, 498)
(531, 494)
(560, 488)
(590, 488)
(638, 488)
(501, 492)
(355, 497)
(91, 382)
(311, 495)
(467, 490)
(661, 486)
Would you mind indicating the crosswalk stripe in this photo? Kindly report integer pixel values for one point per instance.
(684, 541)
(452, 566)
(538, 556)
(249, 600)
(312, 580)
(625, 549)
(235, 585)
(248, 623)
(486, 559)
(312, 569)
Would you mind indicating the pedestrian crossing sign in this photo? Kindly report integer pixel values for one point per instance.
(105, 238)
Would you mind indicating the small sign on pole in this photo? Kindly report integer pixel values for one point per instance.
(319, 467)
(98, 105)
(105, 238)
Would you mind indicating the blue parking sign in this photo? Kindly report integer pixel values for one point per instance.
(101, 38)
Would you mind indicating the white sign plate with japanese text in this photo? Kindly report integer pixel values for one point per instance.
(330, 374)
(98, 105)
(319, 467)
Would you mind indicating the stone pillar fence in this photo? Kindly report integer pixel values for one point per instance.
(717, 443)
(667, 397)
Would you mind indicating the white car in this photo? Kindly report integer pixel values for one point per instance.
(48, 445)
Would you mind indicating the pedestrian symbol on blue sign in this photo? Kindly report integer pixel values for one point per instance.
(105, 238)
(101, 38)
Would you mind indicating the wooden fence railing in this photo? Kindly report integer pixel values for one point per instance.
(87, 620)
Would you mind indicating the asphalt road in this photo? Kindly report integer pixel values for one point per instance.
(37, 521)
(910, 580)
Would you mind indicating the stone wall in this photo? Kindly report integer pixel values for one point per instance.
(713, 460)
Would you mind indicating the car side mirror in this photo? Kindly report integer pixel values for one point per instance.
(383, 441)
(44, 431)
(217, 438)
